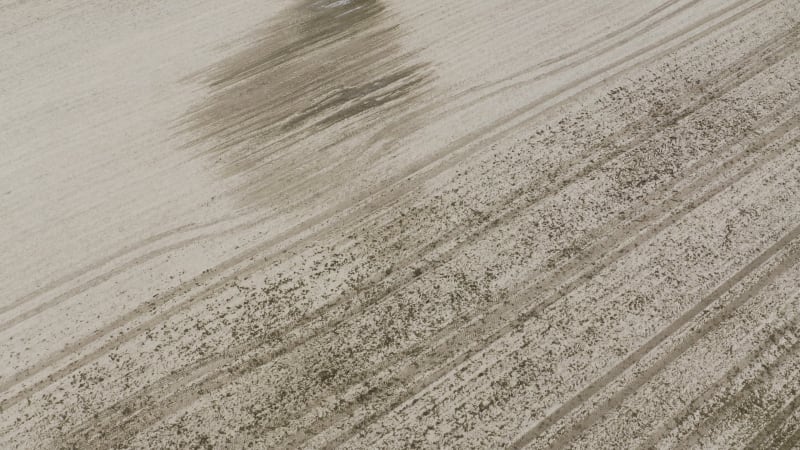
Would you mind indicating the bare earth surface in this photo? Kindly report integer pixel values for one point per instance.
(400, 224)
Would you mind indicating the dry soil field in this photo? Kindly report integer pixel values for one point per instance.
(381, 224)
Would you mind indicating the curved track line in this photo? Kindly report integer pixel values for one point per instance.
(793, 442)
(283, 350)
(403, 121)
(698, 402)
(735, 399)
(622, 234)
(399, 124)
(55, 284)
(397, 185)
(520, 112)
(218, 362)
(690, 339)
(603, 256)
(763, 439)
(99, 279)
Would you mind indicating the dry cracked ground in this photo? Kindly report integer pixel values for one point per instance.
(373, 224)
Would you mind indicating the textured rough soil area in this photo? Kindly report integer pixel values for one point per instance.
(400, 224)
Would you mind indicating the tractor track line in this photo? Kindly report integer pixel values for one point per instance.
(396, 185)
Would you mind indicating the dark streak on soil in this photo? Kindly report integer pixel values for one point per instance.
(317, 65)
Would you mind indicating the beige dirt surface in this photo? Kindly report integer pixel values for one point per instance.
(370, 224)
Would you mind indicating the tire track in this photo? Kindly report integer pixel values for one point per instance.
(760, 439)
(139, 260)
(384, 194)
(567, 272)
(491, 327)
(392, 130)
(698, 403)
(792, 442)
(510, 210)
(764, 438)
(687, 342)
(216, 364)
(604, 248)
(736, 398)
(126, 250)
(605, 50)
(518, 114)
(143, 309)
(186, 376)
(401, 123)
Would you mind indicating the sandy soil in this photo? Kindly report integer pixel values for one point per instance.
(400, 224)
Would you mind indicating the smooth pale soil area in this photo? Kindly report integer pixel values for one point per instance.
(400, 224)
